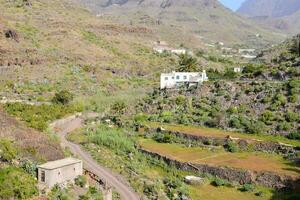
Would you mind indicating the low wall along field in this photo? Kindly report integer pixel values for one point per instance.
(241, 176)
(218, 137)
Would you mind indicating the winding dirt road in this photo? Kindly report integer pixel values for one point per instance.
(64, 127)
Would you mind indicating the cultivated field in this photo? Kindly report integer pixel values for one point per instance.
(216, 133)
(253, 161)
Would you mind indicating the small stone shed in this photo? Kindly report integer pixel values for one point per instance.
(59, 171)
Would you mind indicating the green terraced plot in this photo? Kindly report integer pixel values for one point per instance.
(217, 133)
(254, 161)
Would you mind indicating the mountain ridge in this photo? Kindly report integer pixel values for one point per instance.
(270, 8)
(281, 15)
(199, 18)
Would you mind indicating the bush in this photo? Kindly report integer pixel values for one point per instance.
(7, 151)
(219, 182)
(267, 116)
(29, 167)
(119, 107)
(281, 99)
(232, 147)
(284, 126)
(292, 116)
(112, 138)
(164, 138)
(235, 123)
(63, 97)
(81, 181)
(294, 135)
(16, 184)
(255, 127)
(247, 188)
(167, 116)
(38, 116)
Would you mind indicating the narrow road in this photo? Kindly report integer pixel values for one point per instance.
(112, 179)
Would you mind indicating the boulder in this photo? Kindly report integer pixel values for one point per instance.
(193, 180)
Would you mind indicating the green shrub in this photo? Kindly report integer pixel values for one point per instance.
(247, 188)
(232, 147)
(219, 182)
(164, 138)
(63, 97)
(7, 151)
(292, 116)
(267, 116)
(281, 99)
(235, 123)
(81, 181)
(38, 117)
(29, 167)
(114, 139)
(16, 184)
(294, 135)
(119, 107)
(293, 98)
(255, 127)
(284, 126)
(167, 116)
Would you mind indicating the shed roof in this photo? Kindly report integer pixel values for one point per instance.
(59, 163)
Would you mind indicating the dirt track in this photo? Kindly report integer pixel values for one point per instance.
(112, 179)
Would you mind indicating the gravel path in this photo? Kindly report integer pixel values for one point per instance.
(112, 179)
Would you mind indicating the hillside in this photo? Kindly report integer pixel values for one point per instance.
(269, 8)
(285, 56)
(282, 15)
(33, 144)
(200, 18)
(49, 46)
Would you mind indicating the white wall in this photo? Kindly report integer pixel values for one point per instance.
(61, 175)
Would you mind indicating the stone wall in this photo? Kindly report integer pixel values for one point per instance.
(244, 144)
(267, 179)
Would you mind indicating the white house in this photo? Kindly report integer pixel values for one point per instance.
(177, 79)
(59, 171)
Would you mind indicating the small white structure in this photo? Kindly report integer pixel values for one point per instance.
(59, 171)
(178, 51)
(248, 56)
(237, 69)
(193, 180)
(247, 51)
(177, 79)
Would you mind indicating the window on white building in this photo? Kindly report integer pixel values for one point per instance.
(184, 77)
(177, 77)
(166, 78)
(43, 176)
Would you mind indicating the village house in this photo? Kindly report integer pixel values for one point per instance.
(161, 47)
(178, 79)
(59, 171)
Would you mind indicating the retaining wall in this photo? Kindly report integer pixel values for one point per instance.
(267, 179)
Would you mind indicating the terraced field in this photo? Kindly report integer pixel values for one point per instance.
(216, 133)
(253, 161)
(208, 191)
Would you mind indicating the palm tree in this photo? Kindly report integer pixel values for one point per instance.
(296, 45)
(187, 63)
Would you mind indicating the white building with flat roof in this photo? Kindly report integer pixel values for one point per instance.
(59, 171)
(177, 79)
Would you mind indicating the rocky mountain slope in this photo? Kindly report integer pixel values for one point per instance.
(270, 8)
(48, 46)
(282, 15)
(201, 18)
